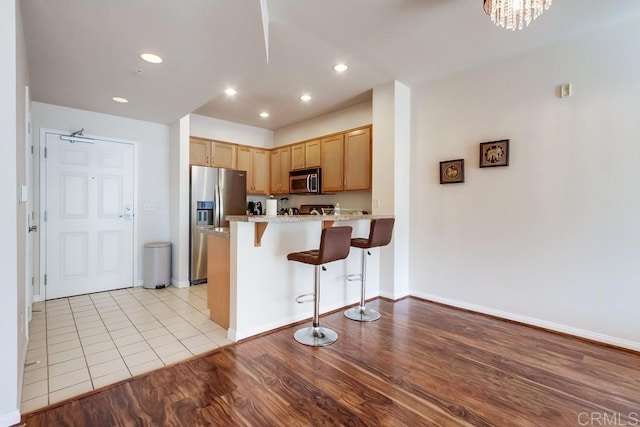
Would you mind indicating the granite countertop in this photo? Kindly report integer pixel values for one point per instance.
(301, 218)
(217, 231)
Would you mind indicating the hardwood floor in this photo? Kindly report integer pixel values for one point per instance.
(420, 364)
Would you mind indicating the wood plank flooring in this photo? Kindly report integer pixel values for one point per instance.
(420, 364)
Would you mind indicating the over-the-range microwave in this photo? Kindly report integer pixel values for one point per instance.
(307, 181)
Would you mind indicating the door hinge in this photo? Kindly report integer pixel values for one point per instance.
(45, 152)
(45, 216)
(45, 280)
(32, 149)
(33, 281)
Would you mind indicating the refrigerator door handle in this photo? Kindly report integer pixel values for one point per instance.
(218, 208)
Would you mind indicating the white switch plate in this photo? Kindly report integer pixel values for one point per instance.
(376, 202)
(24, 193)
(565, 90)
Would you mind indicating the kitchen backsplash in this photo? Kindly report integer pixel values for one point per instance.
(348, 200)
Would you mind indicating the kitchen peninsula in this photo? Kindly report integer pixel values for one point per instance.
(263, 285)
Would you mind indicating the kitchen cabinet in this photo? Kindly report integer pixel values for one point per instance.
(218, 279)
(199, 151)
(305, 155)
(223, 155)
(312, 154)
(346, 161)
(332, 163)
(205, 152)
(255, 161)
(297, 156)
(279, 172)
(357, 160)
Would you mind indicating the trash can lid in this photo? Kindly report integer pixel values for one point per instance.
(157, 244)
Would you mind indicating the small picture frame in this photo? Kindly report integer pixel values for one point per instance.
(494, 153)
(452, 171)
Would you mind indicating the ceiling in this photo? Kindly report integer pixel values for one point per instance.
(83, 53)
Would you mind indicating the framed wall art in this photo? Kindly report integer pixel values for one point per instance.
(452, 171)
(494, 153)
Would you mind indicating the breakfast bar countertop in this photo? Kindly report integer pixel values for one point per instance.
(217, 231)
(301, 218)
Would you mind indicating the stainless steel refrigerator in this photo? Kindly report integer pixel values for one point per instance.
(215, 193)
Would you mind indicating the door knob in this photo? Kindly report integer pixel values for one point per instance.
(33, 228)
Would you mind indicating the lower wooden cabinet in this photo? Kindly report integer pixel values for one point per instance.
(218, 279)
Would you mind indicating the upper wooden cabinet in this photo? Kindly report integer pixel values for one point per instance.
(256, 163)
(312, 154)
(306, 155)
(297, 156)
(332, 163)
(205, 152)
(357, 160)
(223, 155)
(279, 173)
(199, 151)
(346, 161)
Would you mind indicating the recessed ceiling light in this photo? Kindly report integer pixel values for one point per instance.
(120, 99)
(264, 114)
(230, 91)
(340, 68)
(150, 57)
(306, 97)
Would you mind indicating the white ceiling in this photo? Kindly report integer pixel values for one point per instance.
(81, 53)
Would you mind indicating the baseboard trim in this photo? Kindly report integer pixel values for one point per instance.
(557, 327)
(10, 418)
(180, 283)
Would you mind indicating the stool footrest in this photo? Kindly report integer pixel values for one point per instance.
(306, 298)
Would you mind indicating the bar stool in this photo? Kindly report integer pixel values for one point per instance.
(379, 235)
(334, 246)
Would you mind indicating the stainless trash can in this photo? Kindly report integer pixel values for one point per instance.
(157, 265)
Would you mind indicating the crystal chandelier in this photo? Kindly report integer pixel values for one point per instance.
(512, 14)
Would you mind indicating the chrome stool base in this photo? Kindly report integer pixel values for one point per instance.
(362, 314)
(316, 336)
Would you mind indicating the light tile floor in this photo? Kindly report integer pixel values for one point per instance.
(82, 343)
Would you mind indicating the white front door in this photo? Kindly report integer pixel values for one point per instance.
(89, 208)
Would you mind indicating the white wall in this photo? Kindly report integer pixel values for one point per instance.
(8, 217)
(390, 190)
(554, 238)
(23, 253)
(180, 201)
(349, 118)
(222, 130)
(152, 162)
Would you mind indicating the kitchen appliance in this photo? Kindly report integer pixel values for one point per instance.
(215, 193)
(307, 181)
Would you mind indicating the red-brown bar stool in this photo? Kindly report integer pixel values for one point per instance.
(334, 246)
(379, 235)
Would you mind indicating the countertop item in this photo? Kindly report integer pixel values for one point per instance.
(313, 209)
(302, 218)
